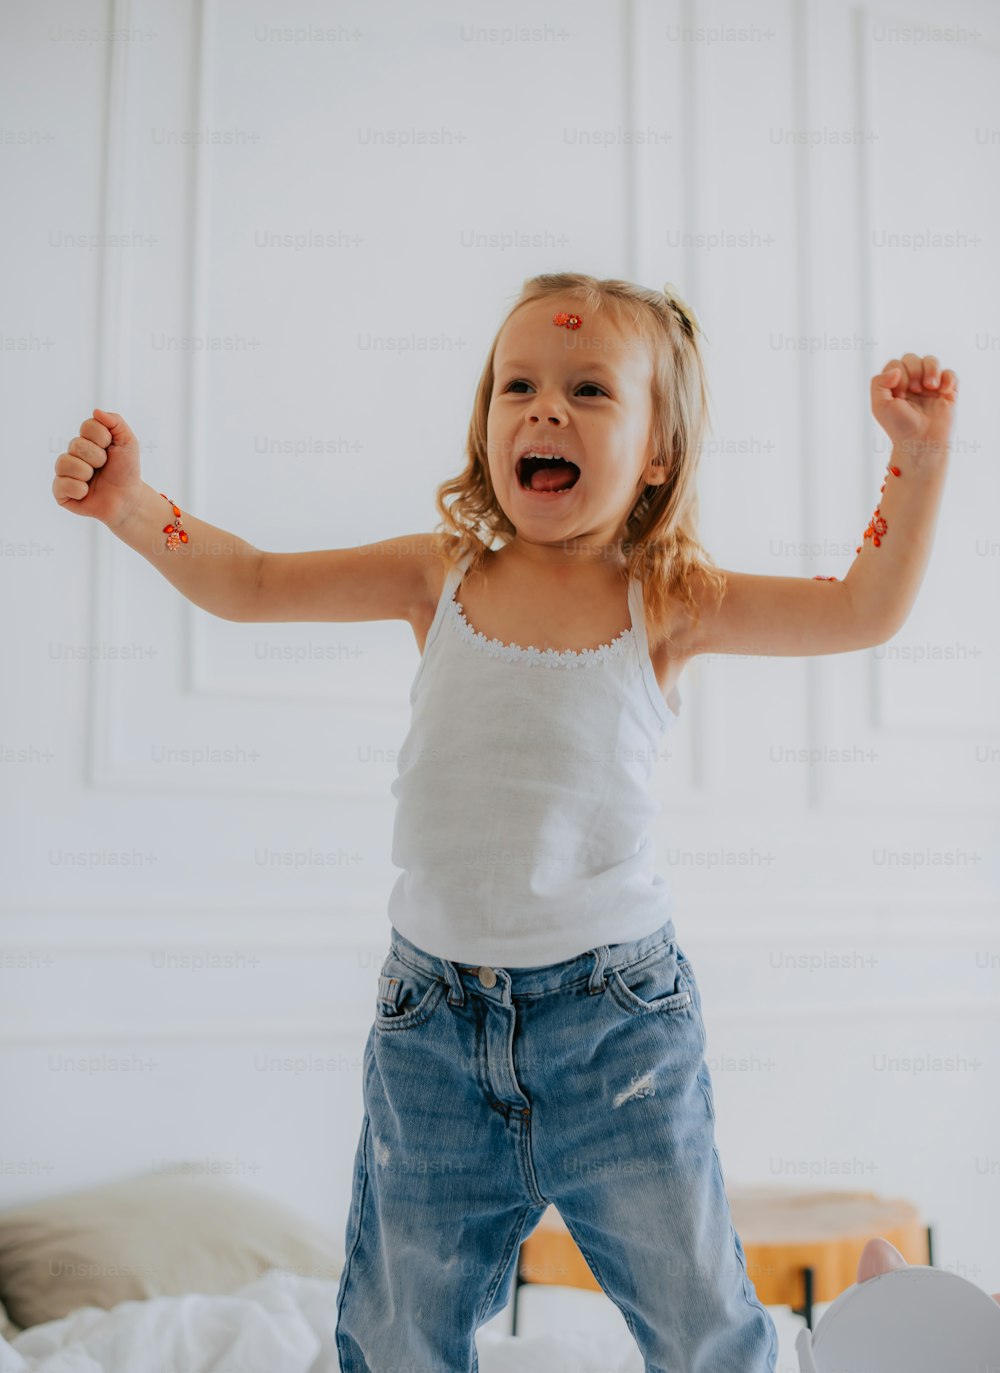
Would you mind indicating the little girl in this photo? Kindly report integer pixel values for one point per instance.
(538, 1035)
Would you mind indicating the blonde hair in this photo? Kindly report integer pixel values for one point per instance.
(660, 539)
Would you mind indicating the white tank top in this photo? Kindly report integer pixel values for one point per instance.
(523, 796)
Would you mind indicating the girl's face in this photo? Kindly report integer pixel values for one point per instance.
(583, 394)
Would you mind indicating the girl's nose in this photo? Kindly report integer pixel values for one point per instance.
(548, 410)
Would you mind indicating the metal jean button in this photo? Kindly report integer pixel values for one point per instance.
(487, 977)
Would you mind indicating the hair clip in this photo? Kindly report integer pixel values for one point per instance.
(570, 321)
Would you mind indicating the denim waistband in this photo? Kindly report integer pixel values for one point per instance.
(547, 977)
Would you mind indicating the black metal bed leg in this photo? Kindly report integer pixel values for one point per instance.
(808, 1304)
(930, 1248)
(806, 1309)
(518, 1283)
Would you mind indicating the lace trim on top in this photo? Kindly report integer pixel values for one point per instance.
(548, 657)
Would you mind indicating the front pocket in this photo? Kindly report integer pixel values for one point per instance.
(655, 984)
(407, 996)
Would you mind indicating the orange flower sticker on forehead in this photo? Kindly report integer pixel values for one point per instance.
(570, 321)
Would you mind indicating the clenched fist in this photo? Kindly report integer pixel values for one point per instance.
(914, 400)
(98, 475)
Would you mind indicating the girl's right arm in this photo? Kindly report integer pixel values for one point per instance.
(99, 476)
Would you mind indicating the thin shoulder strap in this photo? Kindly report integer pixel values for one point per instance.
(637, 609)
(452, 578)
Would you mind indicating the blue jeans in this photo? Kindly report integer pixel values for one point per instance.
(491, 1092)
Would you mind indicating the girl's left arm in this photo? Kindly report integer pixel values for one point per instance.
(914, 402)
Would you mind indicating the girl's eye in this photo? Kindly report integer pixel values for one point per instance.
(584, 384)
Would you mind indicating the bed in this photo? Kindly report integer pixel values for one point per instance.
(171, 1271)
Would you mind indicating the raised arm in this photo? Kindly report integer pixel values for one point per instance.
(98, 476)
(914, 403)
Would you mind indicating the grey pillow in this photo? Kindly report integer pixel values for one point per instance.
(159, 1235)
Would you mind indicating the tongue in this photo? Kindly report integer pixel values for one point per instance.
(555, 478)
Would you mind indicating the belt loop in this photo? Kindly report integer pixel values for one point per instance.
(597, 979)
(456, 997)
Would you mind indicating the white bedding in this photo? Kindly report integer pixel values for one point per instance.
(282, 1323)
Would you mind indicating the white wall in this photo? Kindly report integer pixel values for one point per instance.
(829, 824)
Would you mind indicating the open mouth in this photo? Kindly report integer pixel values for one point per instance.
(550, 473)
